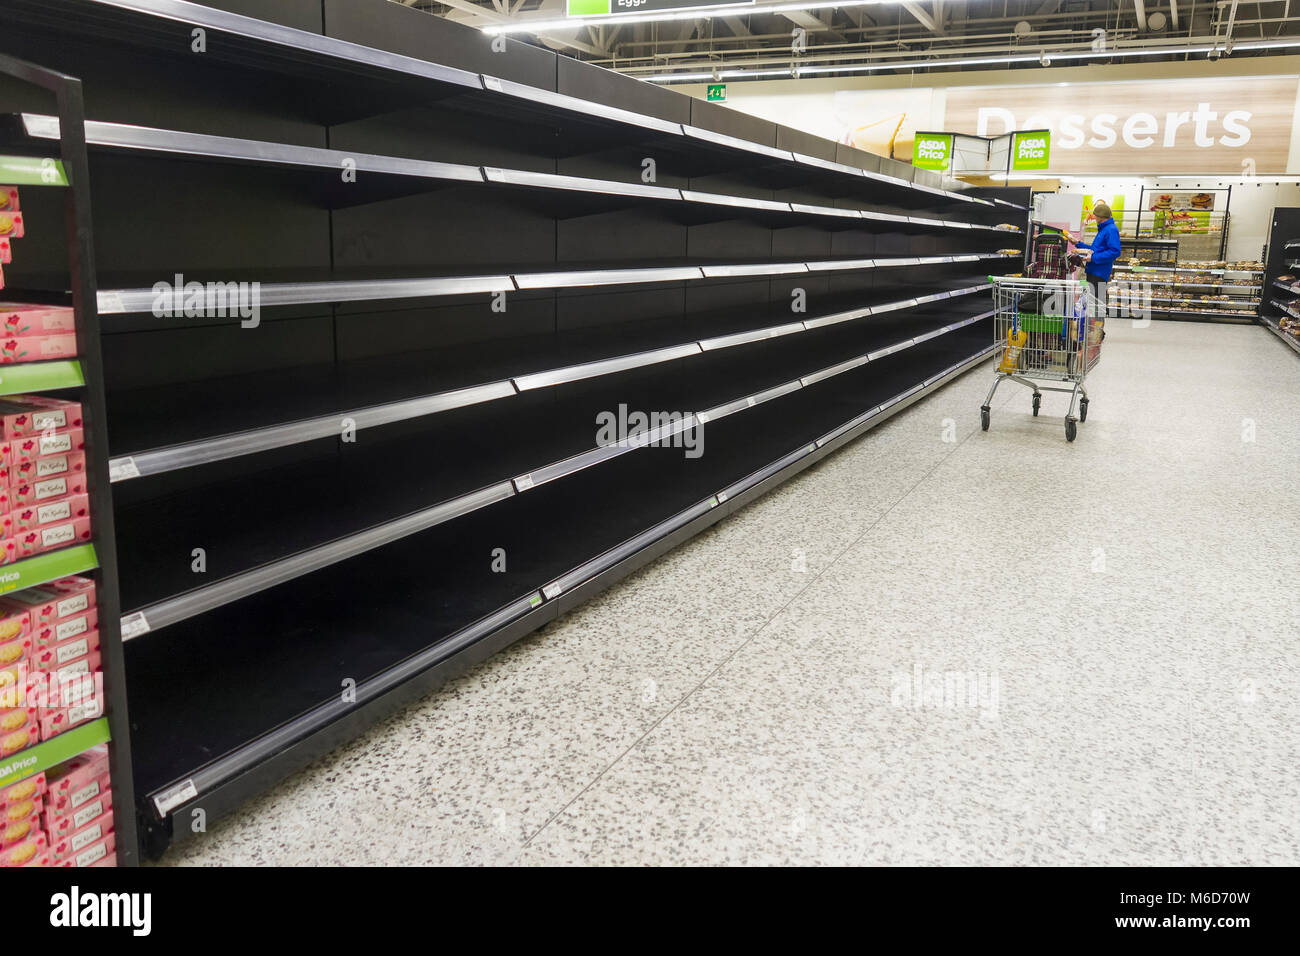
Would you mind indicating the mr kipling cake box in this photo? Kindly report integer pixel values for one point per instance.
(32, 470)
(20, 319)
(50, 603)
(30, 414)
(28, 517)
(42, 444)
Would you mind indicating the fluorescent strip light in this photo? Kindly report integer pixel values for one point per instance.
(795, 71)
(695, 13)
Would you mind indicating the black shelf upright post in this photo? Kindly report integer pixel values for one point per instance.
(79, 237)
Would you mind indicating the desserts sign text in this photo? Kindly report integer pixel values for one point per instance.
(1191, 126)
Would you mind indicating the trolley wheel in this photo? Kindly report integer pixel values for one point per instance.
(1038, 400)
(1083, 409)
(984, 417)
(1071, 429)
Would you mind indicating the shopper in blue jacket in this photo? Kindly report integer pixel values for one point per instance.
(1105, 250)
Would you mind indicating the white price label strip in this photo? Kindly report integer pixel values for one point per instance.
(120, 469)
(133, 625)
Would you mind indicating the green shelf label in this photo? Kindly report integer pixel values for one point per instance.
(32, 171)
(932, 151)
(54, 751)
(40, 376)
(50, 566)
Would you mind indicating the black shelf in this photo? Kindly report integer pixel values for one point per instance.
(328, 494)
(248, 414)
(436, 340)
(324, 633)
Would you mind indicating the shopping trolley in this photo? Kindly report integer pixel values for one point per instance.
(1050, 331)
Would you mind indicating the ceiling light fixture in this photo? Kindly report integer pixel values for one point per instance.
(740, 74)
(695, 13)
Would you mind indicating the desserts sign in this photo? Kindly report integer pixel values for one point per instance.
(1218, 125)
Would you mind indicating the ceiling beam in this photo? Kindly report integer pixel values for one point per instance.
(927, 21)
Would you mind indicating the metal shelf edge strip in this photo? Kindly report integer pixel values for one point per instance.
(186, 605)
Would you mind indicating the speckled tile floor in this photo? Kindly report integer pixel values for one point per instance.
(938, 646)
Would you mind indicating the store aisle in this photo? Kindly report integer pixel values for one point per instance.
(1122, 607)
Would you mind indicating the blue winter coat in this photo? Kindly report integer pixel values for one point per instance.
(1105, 250)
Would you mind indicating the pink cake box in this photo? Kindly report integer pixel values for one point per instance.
(50, 512)
(38, 469)
(50, 603)
(64, 629)
(13, 681)
(78, 680)
(34, 851)
(6, 253)
(37, 348)
(62, 848)
(18, 319)
(97, 854)
(11, 224)
(15, 620)
(25, 821)
(9, 199)
(19, 649)
(61, 804)
(45, 489)
(58, 720)
(14, 719)
(52, 537)
(17, 740)
(76, 772)
(61, 654)
(20, 810)
(26, 789)
(59, 825)
(43, 444)
(32, 414)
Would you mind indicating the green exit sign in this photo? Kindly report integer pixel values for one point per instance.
(717, 93)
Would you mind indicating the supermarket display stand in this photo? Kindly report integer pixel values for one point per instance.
(84, 376)
(1281, 299)
(907, 306)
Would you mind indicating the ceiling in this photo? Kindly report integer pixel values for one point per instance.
(752, 41)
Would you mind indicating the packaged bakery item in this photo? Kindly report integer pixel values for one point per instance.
(9, 199)
(64, 629)
(21, 319)
(77, 772)
(64, 803)
(11, 225)
(37, 348)
(49, 537)
(51, 512)
(29, 414)
(25, 789)
(49, 603)
(30, 852)
(73, 844)
(99, 810)
(15, 649)
(38, 469)
(27, 493)
(100, 853)
(42, 444)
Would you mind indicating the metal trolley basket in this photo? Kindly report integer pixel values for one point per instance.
(1050, 332)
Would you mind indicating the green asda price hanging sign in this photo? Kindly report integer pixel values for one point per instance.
(932, 151)
(1031, 149)
(607, 8)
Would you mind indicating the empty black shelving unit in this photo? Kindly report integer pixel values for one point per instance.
(463, 262)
